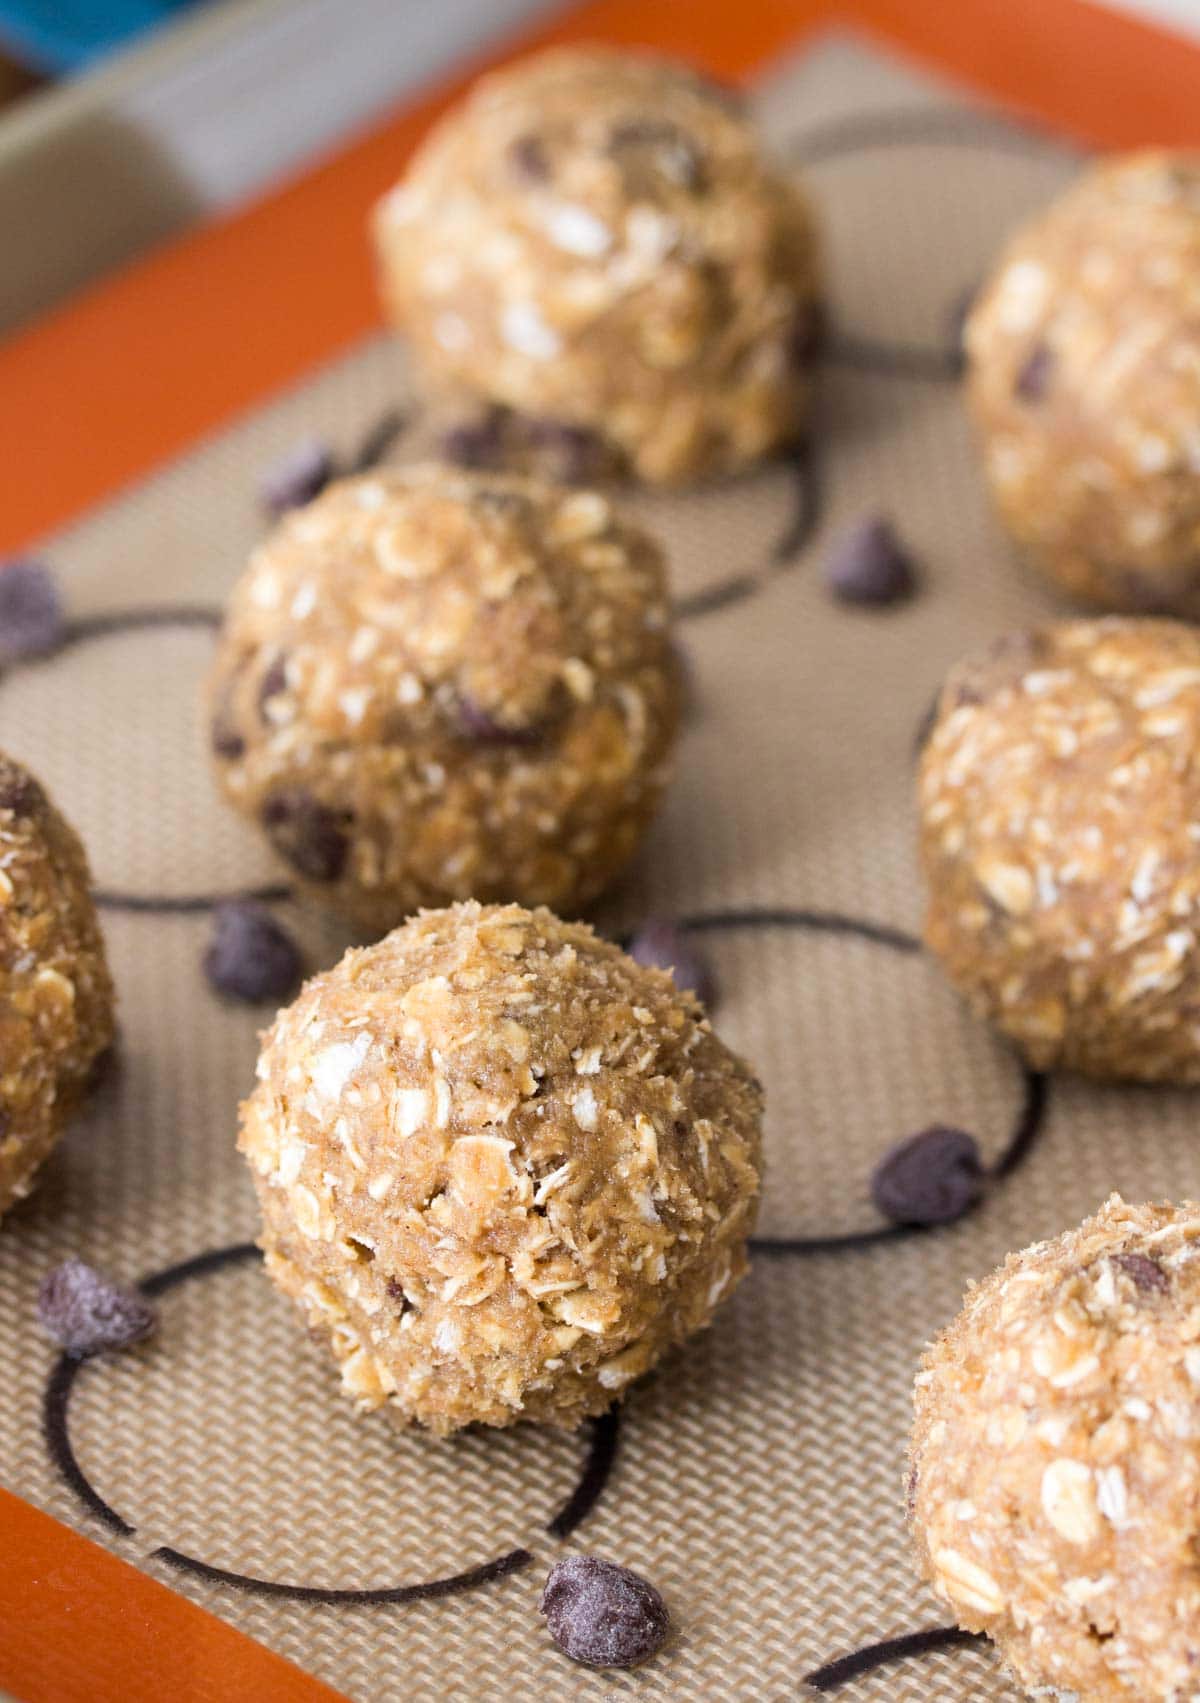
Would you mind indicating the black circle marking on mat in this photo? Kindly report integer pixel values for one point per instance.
(56, 1428)
(872, 1656)
(1030, 1115)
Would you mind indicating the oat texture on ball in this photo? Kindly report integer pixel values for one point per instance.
(434, 685)
(1060, 840)
(1084, 375)
(595, 241)
(56, 996)
(502, 1168)
(1055, 1481)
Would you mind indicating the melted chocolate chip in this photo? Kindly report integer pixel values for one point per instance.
(660, 945)
(529, 159)
(1144, 1271)
(87, 1313)
(932, 1178)
(603, 1615)
(307, 834)
(297, 477)
(20, 794)
(250, 956)
(485, 730)
(867, 563)
(1033, 380)
(31, 615)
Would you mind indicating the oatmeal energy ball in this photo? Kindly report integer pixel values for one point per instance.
(1060, 839)
(595, 241)
(435, 685)
(501, 1166)
(1084, 360)
(1055, 1484)
(56, 997)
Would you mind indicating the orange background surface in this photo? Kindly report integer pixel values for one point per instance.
(141, 365)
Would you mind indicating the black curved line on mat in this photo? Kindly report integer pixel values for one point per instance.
(57, 1431)
(1029, 1120)
(892, 360)
(81, 628)
(596, 1472)
(873, 1656)
(183, 904)
(378, 439)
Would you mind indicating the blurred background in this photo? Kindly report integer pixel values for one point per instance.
(124, 121)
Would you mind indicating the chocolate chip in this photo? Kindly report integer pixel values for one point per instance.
(602, 1614)
(20, 794)
(31, 614)
(477, 442)
(86, 1312)
(932, 1178)
(660, 945)
(308, 834)
(273, 682)
(224, 734)
(297, 477)
(250, 956)
(486, 730)
(867, 563)
(1033, 380)
(1144, 1271)
(529, 158)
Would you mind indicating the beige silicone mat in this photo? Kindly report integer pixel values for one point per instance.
(758, 1476)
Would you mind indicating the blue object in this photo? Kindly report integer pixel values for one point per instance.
(65, 35)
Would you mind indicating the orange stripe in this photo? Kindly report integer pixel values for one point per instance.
(139, 366)
(79, 1626)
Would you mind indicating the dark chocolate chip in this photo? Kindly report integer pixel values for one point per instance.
(297, 477)
(660, 945)
(308, 834)
(867, 563)
(486, 730)
(478, 442)
(529, 159)
(31, 614)
(273, 682)
(224, 734)
(20, 794)
(86, 1312)
(1033, 380)
(603, 1615)
(932, 1178)
(250, 956)
(1144, 1271)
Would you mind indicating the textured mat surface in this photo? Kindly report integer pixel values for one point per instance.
(758, 1476)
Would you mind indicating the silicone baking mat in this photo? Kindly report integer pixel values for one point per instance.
(757, 1478)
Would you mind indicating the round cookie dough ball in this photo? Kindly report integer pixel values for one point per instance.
(1055, 1482)
(1084, 377)
(56, 996)
(595, 241)
(435, 685)
(502, 1167)
(1060, 839)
